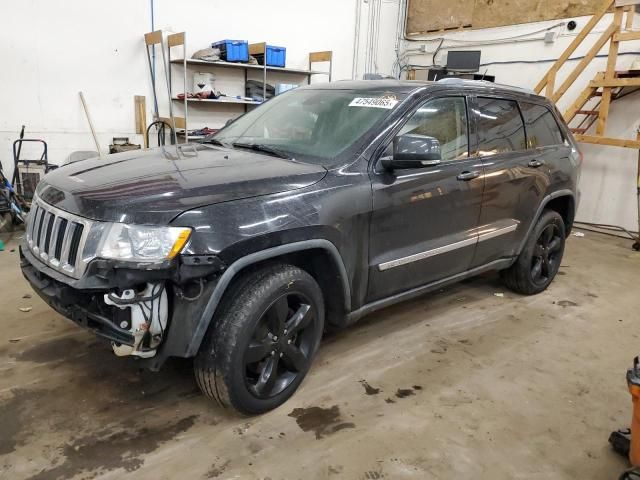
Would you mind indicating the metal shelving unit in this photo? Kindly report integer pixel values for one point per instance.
(179, 40)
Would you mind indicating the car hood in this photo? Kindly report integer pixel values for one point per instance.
(154, 186)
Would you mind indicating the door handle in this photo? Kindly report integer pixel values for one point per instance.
(535, 163)
(466, 176)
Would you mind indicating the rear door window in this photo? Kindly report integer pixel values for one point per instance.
(541, 125)
(500, 127)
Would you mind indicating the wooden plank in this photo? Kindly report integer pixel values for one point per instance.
(629, 18)
(320, 56)
(175, 39)
(626, 36)
(140, 105)
(433, 16)
(604, 38)
(587, 112)
(153, 38)
(602, 9)
(613, 142)
(551, 83)
(180, 122)
(616, 82)
(609, 75)
(257, 48)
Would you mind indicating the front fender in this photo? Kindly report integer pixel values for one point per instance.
(230, 273)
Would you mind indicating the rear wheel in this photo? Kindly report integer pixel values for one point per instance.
(260, 346)
(539, 261)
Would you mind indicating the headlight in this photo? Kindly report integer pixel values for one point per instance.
(141, 243)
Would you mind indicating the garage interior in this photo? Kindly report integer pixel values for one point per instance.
(468, 381)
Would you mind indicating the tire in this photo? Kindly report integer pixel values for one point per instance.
(539, 261)
(262, 340)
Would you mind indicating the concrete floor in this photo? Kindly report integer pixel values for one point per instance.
(458, 384)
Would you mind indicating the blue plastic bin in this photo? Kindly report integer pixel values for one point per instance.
(276, 56)
(233, 50)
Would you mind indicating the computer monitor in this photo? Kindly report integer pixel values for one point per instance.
(463, 60)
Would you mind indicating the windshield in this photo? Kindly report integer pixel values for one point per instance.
(313, 126)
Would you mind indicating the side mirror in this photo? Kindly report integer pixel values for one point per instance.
(413, 151)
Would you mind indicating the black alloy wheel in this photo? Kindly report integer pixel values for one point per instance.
(539, 259)
(262, 340)
(280, 347)
(547, 252)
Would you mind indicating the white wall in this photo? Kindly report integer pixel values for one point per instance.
(50, 50)
(608, 183)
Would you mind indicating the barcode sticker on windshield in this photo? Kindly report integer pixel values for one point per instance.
(380, 102)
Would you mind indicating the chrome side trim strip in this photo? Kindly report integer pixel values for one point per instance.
(497, 233)
(429, 253)
(446, 248)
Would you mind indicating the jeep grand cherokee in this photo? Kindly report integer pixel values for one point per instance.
(318, 207)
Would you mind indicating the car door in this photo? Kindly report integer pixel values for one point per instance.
(424, 219)
(516, 178)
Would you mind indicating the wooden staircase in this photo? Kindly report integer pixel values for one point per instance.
(592, 105)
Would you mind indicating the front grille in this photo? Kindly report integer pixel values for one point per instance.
(57, 238)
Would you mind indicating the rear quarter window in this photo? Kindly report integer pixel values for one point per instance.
(542, 128)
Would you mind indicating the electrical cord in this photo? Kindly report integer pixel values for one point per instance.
(551, 60)
(136, 299)
(433, 59)
(488, 42)
(604, 226)
(509, 62)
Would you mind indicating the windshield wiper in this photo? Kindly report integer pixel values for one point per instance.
(263, 148)
(215, 141)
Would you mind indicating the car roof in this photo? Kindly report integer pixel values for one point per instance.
(410, 86)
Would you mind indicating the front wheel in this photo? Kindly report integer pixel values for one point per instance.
(539, 261)
(260, 345)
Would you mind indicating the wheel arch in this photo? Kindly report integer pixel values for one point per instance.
(561, 201)
(296, 253)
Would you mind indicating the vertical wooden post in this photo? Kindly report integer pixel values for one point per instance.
(609, 74)
(629, 19)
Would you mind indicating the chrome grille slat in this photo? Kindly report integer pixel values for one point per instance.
(62, 232)
(42, 232)
(32, 216)
(34, 233)
(47, 238)
(66, 245)
(58, 238)
(54, 240)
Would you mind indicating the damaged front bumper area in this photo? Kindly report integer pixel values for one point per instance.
(150, 314)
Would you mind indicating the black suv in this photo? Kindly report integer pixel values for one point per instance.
(320, 206)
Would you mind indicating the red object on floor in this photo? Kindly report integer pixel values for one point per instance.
(633, 382)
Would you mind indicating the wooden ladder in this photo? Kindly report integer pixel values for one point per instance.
(593, 103)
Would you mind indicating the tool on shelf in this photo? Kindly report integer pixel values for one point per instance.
(234, 50)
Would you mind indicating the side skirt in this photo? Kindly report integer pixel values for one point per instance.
(356, 315)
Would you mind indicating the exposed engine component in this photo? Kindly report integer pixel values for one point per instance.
(149, 313)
